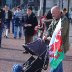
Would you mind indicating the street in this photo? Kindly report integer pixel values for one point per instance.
(12, 53)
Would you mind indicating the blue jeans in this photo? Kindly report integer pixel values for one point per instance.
(17, 29)
(12, 25)
(58, 69)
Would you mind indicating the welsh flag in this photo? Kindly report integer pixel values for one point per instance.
(55, 51)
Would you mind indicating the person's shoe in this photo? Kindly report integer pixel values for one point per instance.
(23, 45)
(25, 52)
(6, 37)
(14, 37)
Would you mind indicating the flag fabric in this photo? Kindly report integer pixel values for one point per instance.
(55, 50)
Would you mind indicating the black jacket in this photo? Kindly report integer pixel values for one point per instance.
(29, 31)
(1, 17)
(17, 21)
(9, 15)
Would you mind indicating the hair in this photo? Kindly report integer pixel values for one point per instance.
(49, 15)
(55, 7)
(30, 8)
(18, 6)
(6, 5)
(64, 9)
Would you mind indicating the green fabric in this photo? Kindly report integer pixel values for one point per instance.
(55, 62)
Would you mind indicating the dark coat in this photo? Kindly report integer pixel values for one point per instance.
(1, 17)
(17, 21)
(9, 15)
(48, 16)
(7, 21)
(29, 31)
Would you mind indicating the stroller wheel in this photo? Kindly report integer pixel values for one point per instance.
(45, 67)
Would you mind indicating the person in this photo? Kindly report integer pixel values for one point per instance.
(70, 16)
(41, 27)
(13, 18)
(65, 12)
(1, 24)
(18, 23)
(48, 17)
(30, 22)
(7, 19)
(44, 23)
(56, 14)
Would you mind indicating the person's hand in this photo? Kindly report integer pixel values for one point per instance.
(43, 20)
(36, 27)
(39, 26)
(44, 38)
(49, 38)
(27, 25)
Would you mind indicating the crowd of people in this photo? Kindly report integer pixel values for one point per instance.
(31, 27)
(19, 21)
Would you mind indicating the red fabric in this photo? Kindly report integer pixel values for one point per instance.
(35, 31)
(41, 22)
(41, 19)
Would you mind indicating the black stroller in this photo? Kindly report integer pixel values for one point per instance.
(36, 64)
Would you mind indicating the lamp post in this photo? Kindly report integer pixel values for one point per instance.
(44, 7)
(62, 4)
(68, 5)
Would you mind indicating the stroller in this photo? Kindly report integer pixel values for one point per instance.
(36, 64)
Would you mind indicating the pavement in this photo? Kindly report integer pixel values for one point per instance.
(12, 53)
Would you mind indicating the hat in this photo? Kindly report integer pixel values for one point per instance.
(17, 68)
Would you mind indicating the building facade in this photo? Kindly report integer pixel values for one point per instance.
(61, 3)
(36, 3)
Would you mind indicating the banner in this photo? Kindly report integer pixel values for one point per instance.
(55, 50)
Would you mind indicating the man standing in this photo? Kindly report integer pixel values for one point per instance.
(30, 22)
(1, 22)
(18, 22)
(56, 14)
(8, 18)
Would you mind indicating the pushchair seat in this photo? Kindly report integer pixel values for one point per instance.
(38, 48)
